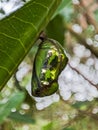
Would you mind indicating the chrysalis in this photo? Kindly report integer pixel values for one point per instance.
(49, 62)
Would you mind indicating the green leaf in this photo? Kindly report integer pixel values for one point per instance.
(16, 116)
(81, 105)
(14, 101)
(55, 29)
(63, 5)
(49, 126)
(19, 31)
(96, 15)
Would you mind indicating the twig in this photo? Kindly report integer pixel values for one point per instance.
(95, 85)
(82, 40)
(80, 115)
(74, 120)
(89, 14)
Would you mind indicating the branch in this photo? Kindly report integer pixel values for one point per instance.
(88, 12)
(95, 85)
(82, 40)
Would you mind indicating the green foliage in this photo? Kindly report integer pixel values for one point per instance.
(25, 118)
(48, 126)
(55, 28)
(81, 105)
(14, 101)
(62, 6)
(19, 31)
(96, 15)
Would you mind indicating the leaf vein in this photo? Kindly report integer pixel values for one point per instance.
(26, 22)
(14, 39)
(41, 5)
(5, 69)
(14, 28)
(8, 56)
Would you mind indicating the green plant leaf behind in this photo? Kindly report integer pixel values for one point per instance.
(96, 15)
(55, 29)
(16, 116)
(49, 126)
(14, 101)
(19, 31)
(64, 4)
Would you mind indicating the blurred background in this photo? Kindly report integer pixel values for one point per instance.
(75, 105)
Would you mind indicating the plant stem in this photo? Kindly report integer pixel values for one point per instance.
(82, 40)
(95, 85)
